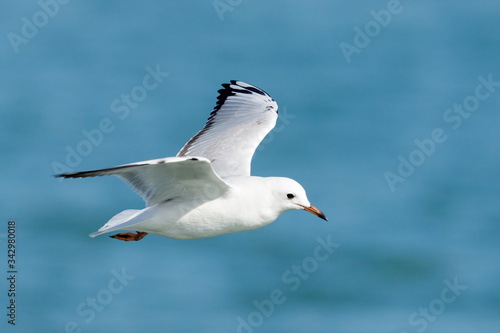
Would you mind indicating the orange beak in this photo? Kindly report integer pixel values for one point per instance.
(315, 211)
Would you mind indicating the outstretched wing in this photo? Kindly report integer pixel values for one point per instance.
(164, 179)
(242, 117)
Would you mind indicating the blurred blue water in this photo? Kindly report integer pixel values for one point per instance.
(347, 124)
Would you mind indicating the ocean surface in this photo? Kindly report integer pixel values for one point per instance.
(389, 117)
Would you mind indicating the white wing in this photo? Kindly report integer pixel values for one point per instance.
(242, 117)
(190, 178)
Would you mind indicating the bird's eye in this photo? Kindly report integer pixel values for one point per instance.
(290, 195)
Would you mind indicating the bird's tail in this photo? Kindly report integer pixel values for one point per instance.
(122, 220)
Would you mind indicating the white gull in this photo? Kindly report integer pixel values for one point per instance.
(207, 190)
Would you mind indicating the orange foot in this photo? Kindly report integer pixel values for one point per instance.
(129, 236)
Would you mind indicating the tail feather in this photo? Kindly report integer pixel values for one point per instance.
(121, 220)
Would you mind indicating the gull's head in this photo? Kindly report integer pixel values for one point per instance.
(291, 195)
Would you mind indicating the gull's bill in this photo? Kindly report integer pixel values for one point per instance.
(315, 211)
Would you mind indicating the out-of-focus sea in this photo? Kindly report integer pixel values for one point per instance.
(364, 88)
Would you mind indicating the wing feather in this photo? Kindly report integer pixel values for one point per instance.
(165, 179)
(242, 117)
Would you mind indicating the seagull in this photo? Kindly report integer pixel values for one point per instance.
(207, 190)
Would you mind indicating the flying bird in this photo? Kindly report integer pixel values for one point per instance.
(207, 190)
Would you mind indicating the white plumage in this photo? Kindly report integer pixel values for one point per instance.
(207, 189)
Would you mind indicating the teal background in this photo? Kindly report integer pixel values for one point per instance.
(342, 126)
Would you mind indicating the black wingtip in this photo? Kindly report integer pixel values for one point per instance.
(67, 175)
(60, 175)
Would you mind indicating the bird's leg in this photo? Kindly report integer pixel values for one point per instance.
(129, 236)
